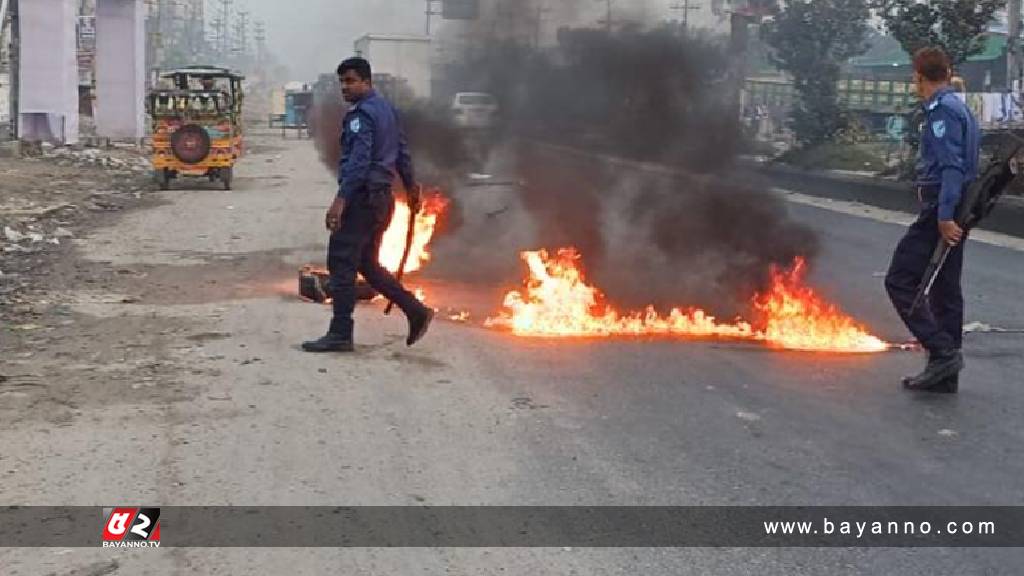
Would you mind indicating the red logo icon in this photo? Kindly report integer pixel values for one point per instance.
(131, 528)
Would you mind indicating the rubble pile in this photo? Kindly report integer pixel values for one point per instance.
(49, 201)
(118, 158)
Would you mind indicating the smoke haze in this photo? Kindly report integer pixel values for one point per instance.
(646, 235)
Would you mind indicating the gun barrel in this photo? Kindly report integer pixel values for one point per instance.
(931, 273)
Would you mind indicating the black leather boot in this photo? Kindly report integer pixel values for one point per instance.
(942, 366)
(950, 385)
(330, 342)
(418, 324)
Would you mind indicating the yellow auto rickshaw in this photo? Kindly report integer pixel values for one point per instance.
(196, 117)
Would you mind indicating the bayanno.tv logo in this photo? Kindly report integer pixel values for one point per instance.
(131, 528)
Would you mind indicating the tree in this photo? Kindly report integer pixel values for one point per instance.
(811, 39)
(955, 25)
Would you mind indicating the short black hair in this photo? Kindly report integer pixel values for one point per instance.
(360, 65)
(932, 63)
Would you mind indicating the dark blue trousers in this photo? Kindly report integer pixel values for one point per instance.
(355, 249)
(938, 323)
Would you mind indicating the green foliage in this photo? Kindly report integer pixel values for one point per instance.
(955, 25)
(834, 156)
(811, 39)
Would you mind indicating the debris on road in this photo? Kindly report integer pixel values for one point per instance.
(981, 328)
(49, 195)
(748, 416)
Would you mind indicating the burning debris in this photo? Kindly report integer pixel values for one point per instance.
(557, 302)
(314, 285)
(313, 280)
(461, 316)
(795, 317)
(393, 243)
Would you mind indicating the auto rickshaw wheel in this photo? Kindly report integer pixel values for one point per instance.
(163, 178)
(226, 175)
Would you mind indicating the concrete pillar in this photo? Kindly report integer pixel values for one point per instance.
(48, 71)
(120, 69)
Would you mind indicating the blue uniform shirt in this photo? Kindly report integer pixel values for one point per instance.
(373, 148)
(950, 141)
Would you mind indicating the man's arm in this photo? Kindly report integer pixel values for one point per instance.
(948, 131)
(357, 157)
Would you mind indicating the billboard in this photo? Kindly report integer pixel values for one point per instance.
(86, 33)
(460, 9)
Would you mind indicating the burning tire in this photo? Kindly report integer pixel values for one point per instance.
(190, 144)
(314, 286)
(364, 291)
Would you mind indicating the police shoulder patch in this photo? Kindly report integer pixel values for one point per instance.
(939, 128)
(354, 125)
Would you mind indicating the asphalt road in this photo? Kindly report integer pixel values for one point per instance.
(238, 415)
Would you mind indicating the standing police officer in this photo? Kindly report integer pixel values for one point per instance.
(373, 150)
(948, 163)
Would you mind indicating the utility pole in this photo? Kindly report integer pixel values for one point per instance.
(430, 12)
(160, 5)
(242, 32)
(214, 43)
(225, 27)
(200, 28)
(153, 28)
(190, 29)
(686, 7)
(1013, 59)
(261, 45)
(15, 70)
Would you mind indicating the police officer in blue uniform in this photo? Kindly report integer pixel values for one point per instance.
(374, 149)
(949, 162)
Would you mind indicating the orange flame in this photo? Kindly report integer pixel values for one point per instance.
(393, 243)
(797, 318)
(556, 301)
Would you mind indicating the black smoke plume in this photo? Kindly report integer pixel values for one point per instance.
(623, 144)
(584, 118)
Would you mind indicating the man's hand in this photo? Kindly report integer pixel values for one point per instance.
(333, 219)
(415, 197)
(951, 232)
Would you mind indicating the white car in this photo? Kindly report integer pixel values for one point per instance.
(474, 110)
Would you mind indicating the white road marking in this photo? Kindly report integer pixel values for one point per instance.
(892, 217)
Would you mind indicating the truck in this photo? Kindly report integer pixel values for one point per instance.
(400, 63)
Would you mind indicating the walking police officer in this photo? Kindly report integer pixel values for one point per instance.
(948, 163)
(373, 150)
